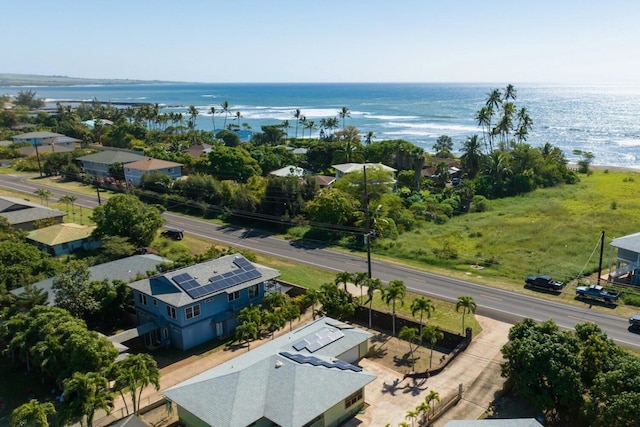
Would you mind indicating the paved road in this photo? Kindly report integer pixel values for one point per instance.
(492, 302)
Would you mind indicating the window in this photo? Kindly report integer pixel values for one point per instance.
(142, 298)
(234, 296)
(171, 312)
(253, 291)
(170, 170)
(193, 311)
(353, 399)
(155, 301)
(165, 333)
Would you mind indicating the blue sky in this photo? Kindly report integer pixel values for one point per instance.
(587, 41)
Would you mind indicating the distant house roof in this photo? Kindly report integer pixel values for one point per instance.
(31, 150)
(629, 243)
(60, 140)
(151, 164)
(324, 180)
(353, 167)
(109, 157)
(92, 123)
(60, 233)
(125, 269)
(197, 150)
(290, 170)
(282, 380)
(164, 288)
(37, 135)
(18, 211)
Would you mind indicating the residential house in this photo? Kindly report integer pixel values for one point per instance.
(64, 238)
(58, 144)
(324, 181)
(192, 305)
(290, 170)
(125, 269)
(35, 138)
(627, 260)
(307, 377)
(22, 214)
(98, 164)
(345, 168)
(134, 171)
(198, 149)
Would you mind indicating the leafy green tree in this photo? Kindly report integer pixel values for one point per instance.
(586, 157)
(21, 262)
(471, 157)
(133, 374)
(393, 294)
(468, 306)
(423, 306)
(412, 336)
(32, 414)
(27, 98)
(336, 302)
(229, 138)
(31, 296)
(379, 182)
(84, 394)
(232, 163)
(72, 291)
(332, 207)
(125, 215)
(431, 334)
(443, 146)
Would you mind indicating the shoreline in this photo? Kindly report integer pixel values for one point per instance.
(606, 168)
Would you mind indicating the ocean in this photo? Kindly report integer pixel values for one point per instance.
(601, 119)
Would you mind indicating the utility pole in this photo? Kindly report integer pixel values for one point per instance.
(601, 251)
(98, 191)
(38, 157)
(367, 235)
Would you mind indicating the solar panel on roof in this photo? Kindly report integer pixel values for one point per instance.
(228, 274)
(189, 284)
(242, 262)
(316, 361)
(182, 278)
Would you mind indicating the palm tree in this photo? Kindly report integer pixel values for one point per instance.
(412, 337)
(193, 114)
(369, 137)
(510, 93)
(468, 306)
(285, 126)
(247, 331)
(213, 112)
(483, 117)
(85, 394)
(274, 321)
(433, 396)
(360, 279)
(238, 117)
(303, 121)
(373, 285)
(431, 335)
(343, 114)
(494, 101)
(225, 109)
(311, 125)
(134, 374)
(471, 156)
(312, 297)
(422, 305)
(65, 200)
(44, 195)
(393, 294)
(32, 414)
(412, 416)
(524, 124)
(496, 166)
(296, 115)
(343, 277)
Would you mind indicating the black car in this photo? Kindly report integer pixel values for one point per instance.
(173, 233)
(634, 321)
(543, 282)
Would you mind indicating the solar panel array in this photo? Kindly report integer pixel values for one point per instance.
(316, 361)
(318, 340)
(245, 272)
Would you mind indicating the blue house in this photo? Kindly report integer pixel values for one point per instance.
(192, 305)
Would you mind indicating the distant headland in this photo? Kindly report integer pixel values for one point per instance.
(9, 79)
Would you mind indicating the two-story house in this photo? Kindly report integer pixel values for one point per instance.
(192, 305)
(98, 164)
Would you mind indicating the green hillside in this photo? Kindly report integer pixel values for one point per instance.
(8, 79)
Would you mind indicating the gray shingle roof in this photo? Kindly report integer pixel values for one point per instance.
(630, 242)
(125, 269)
(109, 157)
(163, 288)
(264, 383)
(18, 211)
(34, 135)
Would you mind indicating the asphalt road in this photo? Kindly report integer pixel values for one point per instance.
(492, 302)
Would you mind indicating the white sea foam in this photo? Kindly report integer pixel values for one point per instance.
(383, 117)
(628, 142)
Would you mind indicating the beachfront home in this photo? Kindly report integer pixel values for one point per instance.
(192, 305)
(627, 260)
(22, 214)
(134, 171)
(98, 164)
(307, 377)
(65, 238)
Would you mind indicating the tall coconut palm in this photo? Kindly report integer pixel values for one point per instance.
(312, 297)
(424, 306)
(524, 125)
(483, 118)
(296, 115)
(134, 374)
(369, 137)
(431, 399)
(412, 337)
(303, 122)
(343, 114)
(431, 335)
(359, 279)
(392, 295)
(213, 112)
(468, 306)
(285, 126)
(496, 166)
(32, 414)
(510, 93)
(238, 117)
(493, 102)
(225, 110)
(311, 125)
(373, 285)
(412, 416)
(193, 114)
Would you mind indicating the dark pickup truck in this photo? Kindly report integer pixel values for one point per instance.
(543, 282)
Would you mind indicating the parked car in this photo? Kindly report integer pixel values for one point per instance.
(543, 282)
(634, 321)
(173, 233)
